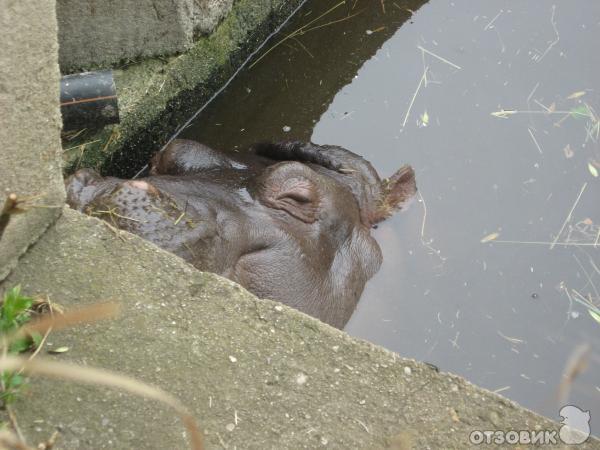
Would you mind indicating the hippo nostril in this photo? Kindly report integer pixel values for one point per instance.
(78, 193)
(86, 176)
(141, 185)
(138, 184)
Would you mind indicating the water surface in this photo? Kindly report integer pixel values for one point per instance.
(418, 83)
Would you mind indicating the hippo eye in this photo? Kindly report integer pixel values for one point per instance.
(299, 195)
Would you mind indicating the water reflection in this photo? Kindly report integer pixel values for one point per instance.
(283, 94)
(506, 315)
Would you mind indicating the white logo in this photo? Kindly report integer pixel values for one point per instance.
(575, 427)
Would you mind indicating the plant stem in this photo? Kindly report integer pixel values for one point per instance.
(10, 205)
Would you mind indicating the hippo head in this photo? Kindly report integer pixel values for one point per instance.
(288, 221)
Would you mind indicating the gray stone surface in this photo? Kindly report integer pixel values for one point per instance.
(99, 33)
(257, 375)
(103, 32)
(208, 13)
(30, 122)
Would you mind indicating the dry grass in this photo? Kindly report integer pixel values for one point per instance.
(306, 29)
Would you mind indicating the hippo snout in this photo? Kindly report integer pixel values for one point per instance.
(77, 187)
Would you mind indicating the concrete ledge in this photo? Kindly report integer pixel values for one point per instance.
(291, 381)
(156, 96)
(30, 131)
(97, 33)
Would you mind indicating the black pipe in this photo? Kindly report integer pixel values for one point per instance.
(88, 100)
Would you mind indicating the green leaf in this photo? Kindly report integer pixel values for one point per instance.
(19, 345)
(36, 338)
(9, 396)
(594, 315)
(580, 112)
(16, 381)
(13, 384)
(14, 309)
(14, 312)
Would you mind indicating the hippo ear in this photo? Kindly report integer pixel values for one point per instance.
(348, 168)
(377, 199)
(289, 186)
(183, 156)
(396, 192)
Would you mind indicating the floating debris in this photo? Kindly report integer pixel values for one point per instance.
(594, 315)
(444, 60)
(568, 219)
(575, 95)
(535, 141)
(423, 79)
(502, 389)
(538, 58)
(490, 237)
(568, 151)
(512, 340)
(491, 23)
(580, 111)
(376, 30)
(504, 113)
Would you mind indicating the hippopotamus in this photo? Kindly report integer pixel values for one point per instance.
(289, 221)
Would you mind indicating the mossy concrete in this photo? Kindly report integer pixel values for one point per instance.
(97, 33)
(30, 131)
(156, 96)
(94, 33)
(256, 374)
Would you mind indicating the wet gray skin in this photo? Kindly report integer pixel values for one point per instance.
(503, 314)
(290, 221)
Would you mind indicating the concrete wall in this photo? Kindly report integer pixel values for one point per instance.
(208, 13)
(99, 33)
(30, 122)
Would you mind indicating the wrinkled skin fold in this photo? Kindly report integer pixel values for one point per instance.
(289, 221)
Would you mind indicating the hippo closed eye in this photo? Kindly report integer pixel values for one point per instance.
(289, 221)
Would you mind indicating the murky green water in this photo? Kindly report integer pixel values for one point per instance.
(506, 315)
